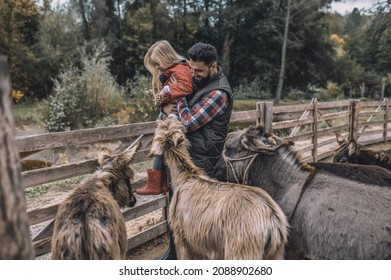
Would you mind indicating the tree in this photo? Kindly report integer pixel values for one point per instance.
(15, 240)
(19, 22)
(283, 54)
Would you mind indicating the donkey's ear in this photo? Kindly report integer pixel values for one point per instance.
(255, 145)
(177, 138)
(104, 154)
(129, 154)
(340, 139)
(352, 146)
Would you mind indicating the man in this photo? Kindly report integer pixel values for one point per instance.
(205, 113)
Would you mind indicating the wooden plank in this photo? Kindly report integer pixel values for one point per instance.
(55, 173)
(373, 113)
(145, 208)
(385, 125)
(355, 109)
(292, 123)
(291, 108)
(147, 235)
(305, 115)
(244, 116)
(333, 104)
(371, 123)
(315, 130)
(268, 116)
(83, 136)
(371, 132)
(305, 149)
(42, 214)
(364, 104)
(45, 232)
(42, 247)
(331, 116)
(321, 132)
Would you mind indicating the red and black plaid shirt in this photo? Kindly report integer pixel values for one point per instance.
(212, 105)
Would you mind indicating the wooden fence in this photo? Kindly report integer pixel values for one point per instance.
(312, 126)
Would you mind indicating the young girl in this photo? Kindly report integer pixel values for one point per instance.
(171, 79)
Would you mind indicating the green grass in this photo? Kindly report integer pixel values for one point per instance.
(27, 113)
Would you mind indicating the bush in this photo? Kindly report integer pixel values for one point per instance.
(252, 90)
(82, 97)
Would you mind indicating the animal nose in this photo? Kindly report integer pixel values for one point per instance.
(132, 201)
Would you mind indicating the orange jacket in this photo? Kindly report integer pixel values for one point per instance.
(184, 82)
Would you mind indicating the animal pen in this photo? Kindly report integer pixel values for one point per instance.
(311, 126)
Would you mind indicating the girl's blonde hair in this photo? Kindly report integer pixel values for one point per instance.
(160, 54)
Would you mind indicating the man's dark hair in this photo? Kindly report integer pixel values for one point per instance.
(203, 52)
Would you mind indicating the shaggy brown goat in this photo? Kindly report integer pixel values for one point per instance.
(216, 220)
(89, 224)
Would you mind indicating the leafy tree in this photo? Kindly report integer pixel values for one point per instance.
(56, 46)
(19, 22)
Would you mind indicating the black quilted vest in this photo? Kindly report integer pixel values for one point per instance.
(207, 142)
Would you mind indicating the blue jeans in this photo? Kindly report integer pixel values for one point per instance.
(157, 163)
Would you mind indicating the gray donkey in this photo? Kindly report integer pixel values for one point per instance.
(331, 217)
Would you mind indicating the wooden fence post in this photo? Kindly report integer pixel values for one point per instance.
(267, 116)
(15, 240)
(385, 126)
(353, 121)
(259, 120)
(315, 130)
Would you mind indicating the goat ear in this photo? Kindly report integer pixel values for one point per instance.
(104, 154)
(177, 138)
(352, 146)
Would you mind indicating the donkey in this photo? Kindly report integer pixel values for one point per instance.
(352, 152)
(89, 224)
(369, 174)
(211, 219)
(331, 217)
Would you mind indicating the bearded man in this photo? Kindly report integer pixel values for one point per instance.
(205, 114)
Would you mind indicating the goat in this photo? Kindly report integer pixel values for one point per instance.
(89, 223)
(211, 219)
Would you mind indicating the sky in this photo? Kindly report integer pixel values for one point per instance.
(342, 7)
(346, 6)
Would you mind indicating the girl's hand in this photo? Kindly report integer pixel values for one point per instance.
(157, 98)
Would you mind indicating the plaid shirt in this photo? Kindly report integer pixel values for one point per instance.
(212, 105)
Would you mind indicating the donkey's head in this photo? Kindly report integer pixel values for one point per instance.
(347, 152)
(168, 134)
(118, 173)
(241, 145)
(252, 139)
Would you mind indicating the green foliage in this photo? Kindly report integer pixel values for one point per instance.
(140, 106)
(252, 90)
(84, 96)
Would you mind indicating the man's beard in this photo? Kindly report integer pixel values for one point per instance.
(203, 82)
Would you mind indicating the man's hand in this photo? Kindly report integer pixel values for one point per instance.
(169, 108)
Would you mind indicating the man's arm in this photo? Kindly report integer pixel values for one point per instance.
(212, 105)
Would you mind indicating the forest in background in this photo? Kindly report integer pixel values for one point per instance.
(90, 52)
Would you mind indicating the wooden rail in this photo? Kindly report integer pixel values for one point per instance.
(312, 126)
